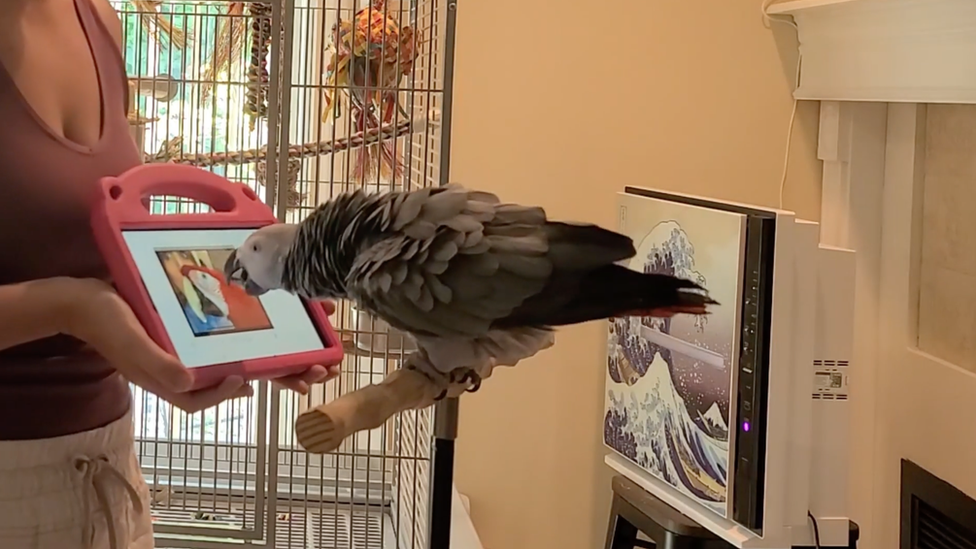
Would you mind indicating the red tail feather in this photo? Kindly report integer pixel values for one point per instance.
(668, 312)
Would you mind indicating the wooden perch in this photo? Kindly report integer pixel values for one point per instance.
(306, 150)
(322, 429)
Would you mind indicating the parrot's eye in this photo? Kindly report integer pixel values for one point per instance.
(254, 247)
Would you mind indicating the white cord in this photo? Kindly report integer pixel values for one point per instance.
(768, 20)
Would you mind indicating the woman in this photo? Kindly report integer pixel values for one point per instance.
(68, 343)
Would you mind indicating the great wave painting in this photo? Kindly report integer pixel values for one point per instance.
(669, 382)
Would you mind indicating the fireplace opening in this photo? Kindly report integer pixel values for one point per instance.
(934, 513)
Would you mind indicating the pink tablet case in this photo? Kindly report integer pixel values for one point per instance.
(122, 205)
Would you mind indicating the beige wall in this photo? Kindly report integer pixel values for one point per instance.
(691, 96)
(946, 318)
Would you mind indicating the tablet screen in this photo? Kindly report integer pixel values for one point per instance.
(208, 320)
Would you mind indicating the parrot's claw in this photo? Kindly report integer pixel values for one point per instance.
(471, 377)
(466, 376)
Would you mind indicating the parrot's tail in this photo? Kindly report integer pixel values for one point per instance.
(616, 291)
(610, 291)
(671, 296)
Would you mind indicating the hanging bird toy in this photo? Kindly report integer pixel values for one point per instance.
(258, 77)
(370, 57)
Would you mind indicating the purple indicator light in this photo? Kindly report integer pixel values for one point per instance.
(745, 426)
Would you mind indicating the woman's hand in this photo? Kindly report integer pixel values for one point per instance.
(97, 315)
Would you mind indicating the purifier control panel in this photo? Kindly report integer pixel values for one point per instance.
(755, 326)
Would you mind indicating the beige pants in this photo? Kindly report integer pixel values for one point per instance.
(81, 491)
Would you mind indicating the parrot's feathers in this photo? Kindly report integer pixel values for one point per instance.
(581, 247)
(494, 348)
(484, 197)
(409, 208)
(466, 281)
(464, 224)
(480, 265)
(471, 239)
(529, 245)
(426, 300)
(411, 286)
(532, 267)
(400, 273)
(444, 207)
(411, 250)
(465, 273)
(445, 252)
(436, 267)
(384, 281)
(391, 252)
(480, 211)
(477, 246)
(420, 230)
(513, 214)
(440, 291)
(511, 230)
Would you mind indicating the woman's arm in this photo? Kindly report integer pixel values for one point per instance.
(91, 311)
(38, 309)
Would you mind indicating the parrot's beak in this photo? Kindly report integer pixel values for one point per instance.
(235, 273)
(253, 289)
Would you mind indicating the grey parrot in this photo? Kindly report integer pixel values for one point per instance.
(478, 283)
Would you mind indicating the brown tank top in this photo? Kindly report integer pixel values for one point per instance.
(54, 386)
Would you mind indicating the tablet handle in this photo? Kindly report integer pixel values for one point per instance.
(127, 196)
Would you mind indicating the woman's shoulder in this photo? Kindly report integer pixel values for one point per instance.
(109, 18)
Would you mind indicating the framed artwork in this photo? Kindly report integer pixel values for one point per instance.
(669, 381)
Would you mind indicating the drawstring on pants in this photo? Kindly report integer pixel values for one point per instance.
(97, 473)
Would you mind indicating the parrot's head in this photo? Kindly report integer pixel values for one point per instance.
(259, 263)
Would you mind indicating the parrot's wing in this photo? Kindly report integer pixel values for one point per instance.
(459, 261)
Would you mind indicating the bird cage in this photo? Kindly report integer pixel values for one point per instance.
(296, 99)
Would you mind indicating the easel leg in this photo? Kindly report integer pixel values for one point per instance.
(621, 534)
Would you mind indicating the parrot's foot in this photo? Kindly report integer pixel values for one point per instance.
(450, 384)
(466, 376)
(461, 376)
(424, 372)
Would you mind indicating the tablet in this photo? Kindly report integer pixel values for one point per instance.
(169, 269)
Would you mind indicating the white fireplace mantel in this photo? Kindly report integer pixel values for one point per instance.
(914, 51)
